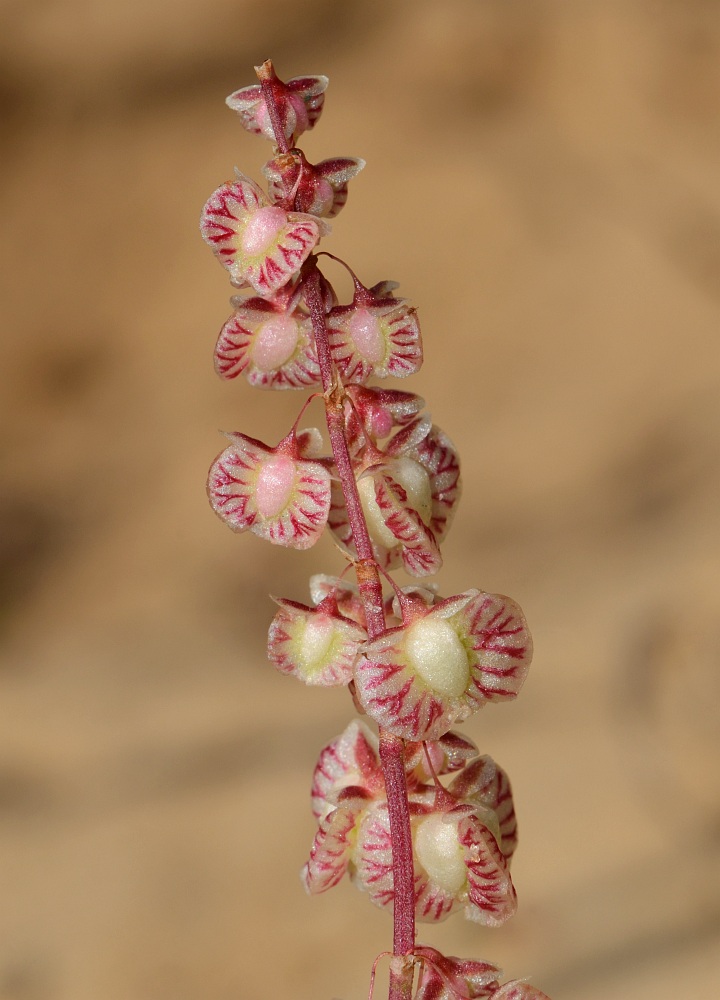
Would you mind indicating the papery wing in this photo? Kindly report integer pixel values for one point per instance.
(501, 646)
(491, 894)
(483, 781)
(332, 847)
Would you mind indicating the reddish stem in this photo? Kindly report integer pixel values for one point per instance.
(366, 567)
(392, 749)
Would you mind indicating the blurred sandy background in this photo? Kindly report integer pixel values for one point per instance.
(543, 181)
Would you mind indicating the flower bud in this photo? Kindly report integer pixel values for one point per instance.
(299, 102)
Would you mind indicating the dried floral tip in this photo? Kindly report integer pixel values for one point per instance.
(418, 681)
(277, 493)
(299, 102)
(260, 244)
(320, 189)
(271, 345)
(316, 645)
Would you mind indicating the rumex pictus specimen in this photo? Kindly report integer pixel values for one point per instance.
(415, 663)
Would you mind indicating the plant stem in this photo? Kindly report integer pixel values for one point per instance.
(392, 749)
(368, 575)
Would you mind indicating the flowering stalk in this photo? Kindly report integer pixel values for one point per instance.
(414, 663)
(392, 753)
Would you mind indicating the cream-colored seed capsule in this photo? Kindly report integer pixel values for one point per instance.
(315, 642)
(376, 525)
(440, 854)
(274, 485)
(275, 343)
(435, 653)
(415, 480)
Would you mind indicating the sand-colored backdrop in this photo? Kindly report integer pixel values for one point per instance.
(543, 180)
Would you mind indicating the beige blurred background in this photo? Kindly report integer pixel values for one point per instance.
(543, 181)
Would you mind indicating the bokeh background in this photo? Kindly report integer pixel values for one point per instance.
(543, 181)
